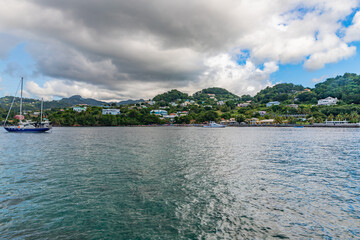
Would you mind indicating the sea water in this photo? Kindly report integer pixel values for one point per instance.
(180, 183)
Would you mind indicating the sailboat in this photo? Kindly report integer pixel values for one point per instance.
(27, 126)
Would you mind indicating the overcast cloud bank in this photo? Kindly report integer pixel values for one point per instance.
(115, 49)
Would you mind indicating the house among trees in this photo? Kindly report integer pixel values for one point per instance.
(159, 112)
(79, 109)
(111, 111)
(269, 104)
(327, 101)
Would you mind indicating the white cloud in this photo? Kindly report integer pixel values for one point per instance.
(137, 48)
(335, 54)
(225, 72)
(320, 79)
(353, 32)
(67, 88)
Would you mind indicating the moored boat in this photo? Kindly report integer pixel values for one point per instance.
(27, 126)
(214, 125)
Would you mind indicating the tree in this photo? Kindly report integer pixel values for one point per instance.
(240, 118)
(278, 120)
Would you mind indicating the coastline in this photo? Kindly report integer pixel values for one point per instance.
(319, 125)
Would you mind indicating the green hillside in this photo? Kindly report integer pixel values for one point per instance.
(280, 92)
(221, 94)
(346, 88)
(170, 96)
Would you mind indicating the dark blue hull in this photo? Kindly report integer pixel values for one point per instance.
(28, 130)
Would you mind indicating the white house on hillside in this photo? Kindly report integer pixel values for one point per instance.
(111, 111)
(159, 112)
(79, 109)
(327, 101)
(269, 104)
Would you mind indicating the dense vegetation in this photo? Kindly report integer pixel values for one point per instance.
(298, 105)
(280, 92)
(171, 96)
(221, 94)
(346, 88)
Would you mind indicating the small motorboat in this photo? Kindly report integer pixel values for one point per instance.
(213, 124)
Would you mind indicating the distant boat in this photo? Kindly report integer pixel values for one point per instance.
(298, 126)
(27, 126)
(214, 125)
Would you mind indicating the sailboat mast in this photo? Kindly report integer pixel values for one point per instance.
(41, 112)
(22, 82)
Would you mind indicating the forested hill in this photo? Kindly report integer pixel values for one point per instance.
(346, 88)
(220, 94)
(280, 92)
(77, 99)
(170, 96)
(34, 104)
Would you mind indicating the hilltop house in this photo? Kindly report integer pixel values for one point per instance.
(220, 103)
(327, 101)
(150, 102)
(111, 111)
(79, 109)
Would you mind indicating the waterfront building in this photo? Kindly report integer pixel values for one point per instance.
(253, 121)
(269, 104)
(266, 122)
(230, 122)
(111, 111)
(336, 122)
(327, 101)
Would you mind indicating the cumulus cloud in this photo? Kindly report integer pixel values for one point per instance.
(133, 48)
(320, 79)
(67, 88)
(224, 71)
(353, 32)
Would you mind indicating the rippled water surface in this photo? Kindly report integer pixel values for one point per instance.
(180, 183)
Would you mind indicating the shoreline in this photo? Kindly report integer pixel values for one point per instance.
(246, 126)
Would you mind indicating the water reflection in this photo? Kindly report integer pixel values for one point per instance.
(180, 183)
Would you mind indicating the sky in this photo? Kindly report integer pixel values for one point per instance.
(114, 50)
